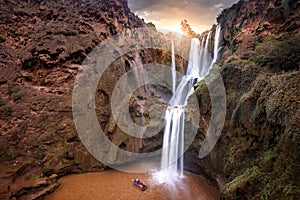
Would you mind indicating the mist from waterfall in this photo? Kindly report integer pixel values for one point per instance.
(199, 65)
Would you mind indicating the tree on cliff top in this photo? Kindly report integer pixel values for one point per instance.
(187, 30)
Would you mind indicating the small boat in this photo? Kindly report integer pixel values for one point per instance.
(139, 184)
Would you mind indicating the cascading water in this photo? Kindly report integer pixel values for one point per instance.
(199, 65)
(206, 59)
(173, 69)
(141, 76)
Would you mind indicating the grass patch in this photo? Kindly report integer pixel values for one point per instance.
(33, 178)
(2, 102)
(268, 156)
(202, 82)
(288, 189)
(241, 180)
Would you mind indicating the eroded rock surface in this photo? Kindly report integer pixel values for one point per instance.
(42, 46)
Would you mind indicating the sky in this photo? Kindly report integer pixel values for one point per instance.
(167, 14)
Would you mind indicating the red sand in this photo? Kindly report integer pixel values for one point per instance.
(113, 185)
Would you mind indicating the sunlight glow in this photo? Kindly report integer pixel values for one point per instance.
(176, 29)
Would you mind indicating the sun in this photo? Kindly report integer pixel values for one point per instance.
(169, 26)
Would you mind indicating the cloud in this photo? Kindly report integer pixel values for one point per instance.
(201, 14)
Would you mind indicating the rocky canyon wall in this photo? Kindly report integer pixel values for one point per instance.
(258, 152)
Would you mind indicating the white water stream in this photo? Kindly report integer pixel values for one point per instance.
(199, 65)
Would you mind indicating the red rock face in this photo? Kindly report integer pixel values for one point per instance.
(42, 47)
(247, 22)
(42, 44)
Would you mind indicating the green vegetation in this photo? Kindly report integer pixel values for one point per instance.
(18, 95)
(268, 156)
(289, 188)
(151, 25)
(13, 88)
(231, 37)
(5, 111)
(261, 27)
(45, 37)
(200, 83)
(240, 181)
(283, 54)
(33, 178)
(230, 162)
(167, 58)
(2, 102)
(259, 111)
(60, 42)
(42, 82)
(15, 92)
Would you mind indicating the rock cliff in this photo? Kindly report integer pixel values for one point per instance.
(258, 152)
(42, 46)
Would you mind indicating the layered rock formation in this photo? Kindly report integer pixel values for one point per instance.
(42, 46)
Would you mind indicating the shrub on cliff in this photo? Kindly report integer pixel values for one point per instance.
(283, 54)
(2, 102)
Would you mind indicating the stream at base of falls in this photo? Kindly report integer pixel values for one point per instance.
(113, 184)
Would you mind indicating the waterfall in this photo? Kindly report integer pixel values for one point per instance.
(201, 49)
(173, 69)
(206, 59)
(199, 65)
(141, 76)
(194, 60)
(173, 139)
(216, 44)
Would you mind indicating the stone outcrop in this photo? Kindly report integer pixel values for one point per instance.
(248, 22)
